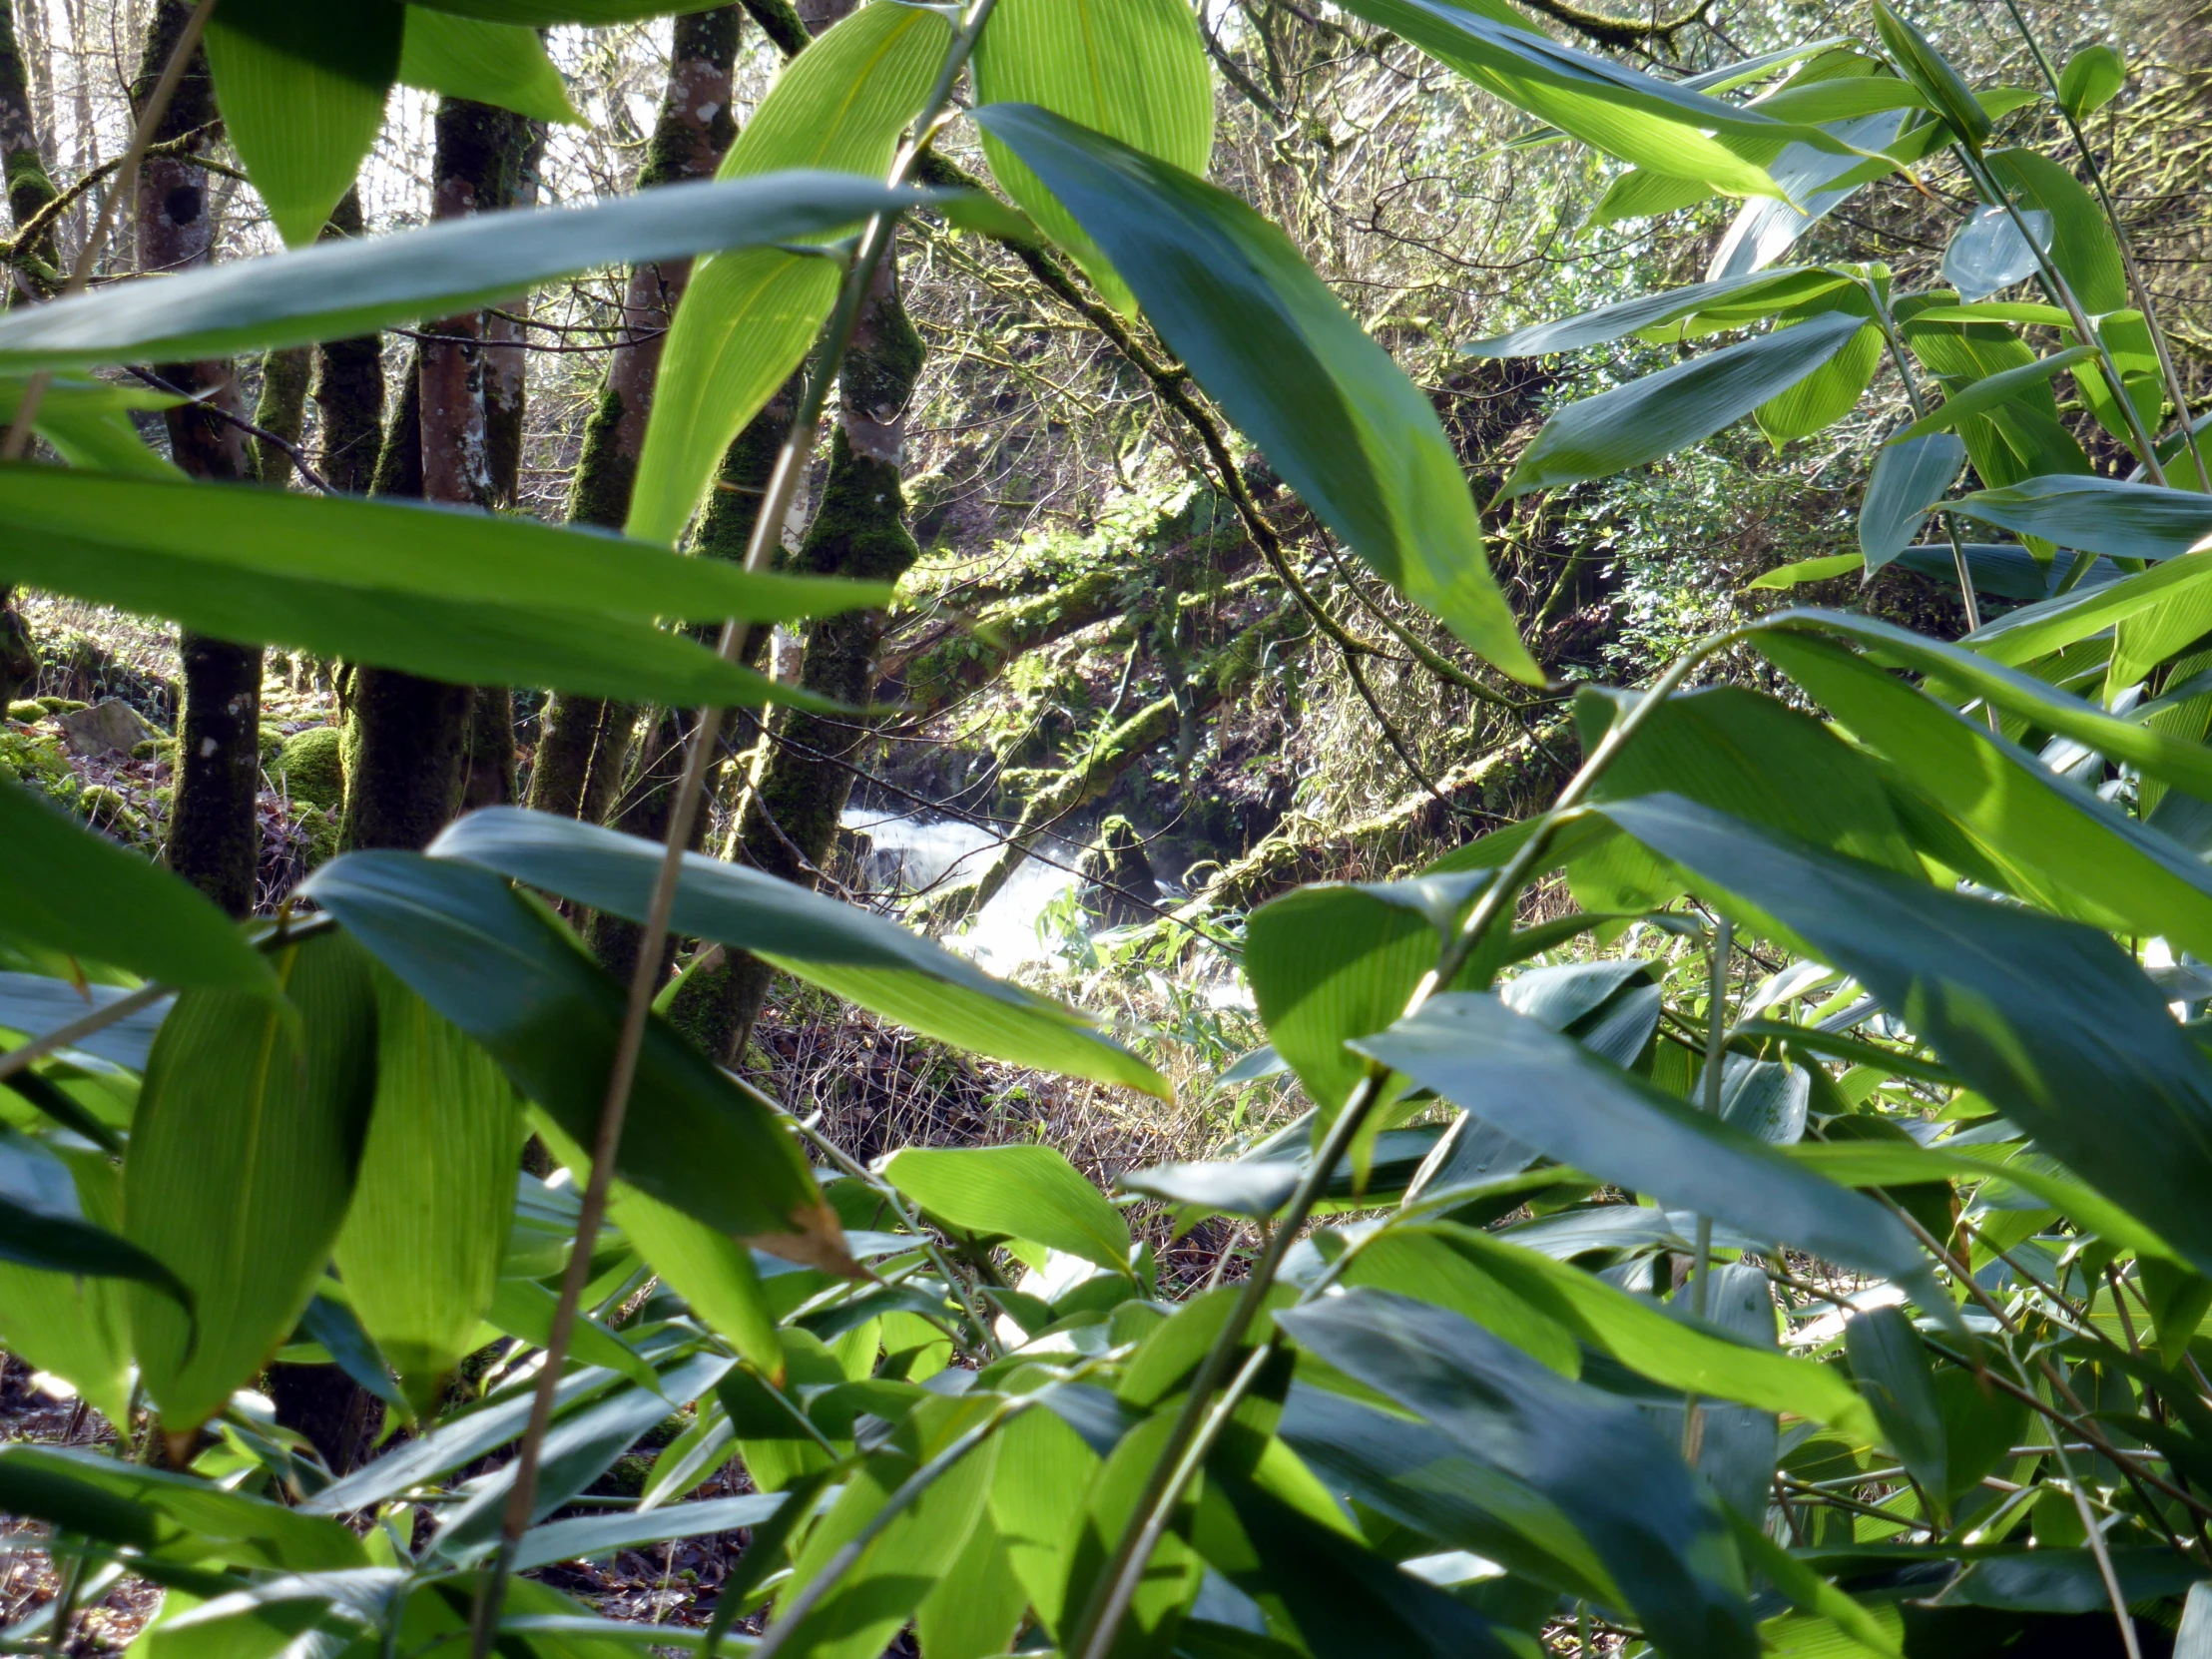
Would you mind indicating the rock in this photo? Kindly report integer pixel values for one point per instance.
(312, 767)
(1117, 861)
(113, 725)
(109, 810)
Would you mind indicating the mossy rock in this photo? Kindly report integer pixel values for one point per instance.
(39, 762)
(109, 810)
(310, 765)
(61, 705)
(320, 829)
(156, 748)
(29, 711)
(271, 745)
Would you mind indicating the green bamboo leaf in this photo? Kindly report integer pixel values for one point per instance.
(241, 1165)
(582, 1447)
(2098, 515)
(73, 1325)
(587, 1537)
(1928, 69)
(1660, 125)
(501, 64)
(302, 93)
(43, 1226)
(1979, 983)
(34, 1004)
(506, 973)
(1751, 298)
(174, 1517)
(842, 948)
(1134, 70)
(710, 1270)
(1831, 390)
(747, 318)
(2091, 79)
(1660, 413)
(903, 1562)
(1891, 1370)
(975, 1609)
(1553, 1094)
(548, 14)
(1607, 1468)
(1985, 395)
(1268, 341)
(71, 890)
(401, 547)
(1911, 474)
(2056, 845)
(2185, 765)
(337, 290)
(1315, 1579)
(1021, 1192)
(421, 1246)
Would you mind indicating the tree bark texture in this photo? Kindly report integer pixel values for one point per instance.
(214, 829)
(408, 738)
(859, 531)
(282, 409)
(349, 387)
(585, 741)
(32, 276)
(35, 272)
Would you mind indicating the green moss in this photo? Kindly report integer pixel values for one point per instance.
(606, 476)
(156, 748)
(39, 762)
(309, 766)
(320, 829)
(62, 705)
(30, 711)
(110, 809)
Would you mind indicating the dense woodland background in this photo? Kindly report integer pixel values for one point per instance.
(1130, 689)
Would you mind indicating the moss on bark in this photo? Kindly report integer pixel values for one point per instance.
(584, 743)
(282, 411)
(349, 387)
(859, 531)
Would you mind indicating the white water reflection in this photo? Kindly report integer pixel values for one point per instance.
(915, 854)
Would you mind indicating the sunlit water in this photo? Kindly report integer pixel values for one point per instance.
(917, 855)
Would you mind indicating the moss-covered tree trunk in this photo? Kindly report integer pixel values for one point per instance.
(282, 411)
(489, 757)
(32, 276)
(36, 273)
(585, 740)
(859, 531)
(213, 831)
(408, 736)
(349, 387)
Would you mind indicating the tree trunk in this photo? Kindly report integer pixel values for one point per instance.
(860, 531)
(585, 740)
(32, 276)
(214, 829)
(349, 387)
(282, 411)
(30, 185)
(408, 736)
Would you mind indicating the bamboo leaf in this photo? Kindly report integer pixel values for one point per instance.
(1134, 70)
(1978, 982)
(423, 1242)
(1660, 413)
(1597, 1458)
(241, 1165)
(337, 290)
(1020, 1192)
(303, 94)
(1268, 341)
(501, 64)
(508, 974)
(71, 890)
(747, 318)
(1911, 474)
(841, 947)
